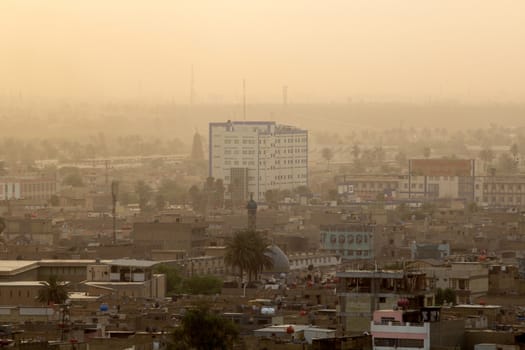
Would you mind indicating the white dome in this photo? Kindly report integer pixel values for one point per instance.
(280, 260)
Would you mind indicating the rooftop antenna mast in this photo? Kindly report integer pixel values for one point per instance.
(244, 99)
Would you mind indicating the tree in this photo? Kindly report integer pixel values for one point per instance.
(53, 291)
(426, 152)
(303, 191)
(403, 211)
(401, 158)
(173, 277)
(126, 197)
(197, 198)
(445, 296)
(506, 164)
(218, 195)
(472, 207)
(327, 154)
(156, 163)
(201, 329)
(486, 155)
(160, 201)
(356, 151)
(74, 180)
(143, 190)
(428, 208)
(54, 200)
(248, 251)
(272, 197)
(170, 190)
(206, 285)
(379, 154)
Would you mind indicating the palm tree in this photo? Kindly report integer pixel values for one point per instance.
(261, 258)
(401, 158)
(486, 155)
(248, 251)
(356, 151)
(53, 291)
(202, 329)
(379, 154)
(237, 252)
(327, 154)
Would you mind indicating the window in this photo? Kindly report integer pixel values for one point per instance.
(388, 342)
(411, 343)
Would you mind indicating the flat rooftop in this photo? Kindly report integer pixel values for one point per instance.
(10, 266)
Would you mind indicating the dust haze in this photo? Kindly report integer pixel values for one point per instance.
(74, 70)
(324, 52)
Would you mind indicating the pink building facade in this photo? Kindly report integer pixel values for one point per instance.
(391, 329)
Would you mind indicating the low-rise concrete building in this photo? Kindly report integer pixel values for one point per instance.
(362, 292)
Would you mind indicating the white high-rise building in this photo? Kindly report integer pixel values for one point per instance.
(252, 157)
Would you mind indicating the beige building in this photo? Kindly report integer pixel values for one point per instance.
(32, 188)
(252, 157)
(22, 231)
(502, 191)
(470, 280)
(19, 280)
(125, 278)
(20, 293)
(174, 232)
(368, 187)
(361, 292)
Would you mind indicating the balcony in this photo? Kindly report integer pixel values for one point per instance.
(406, 328)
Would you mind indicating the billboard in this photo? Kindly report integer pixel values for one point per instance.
(441, 167)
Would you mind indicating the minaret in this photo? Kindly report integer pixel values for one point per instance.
(252, 213)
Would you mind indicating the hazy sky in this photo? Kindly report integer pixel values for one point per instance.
(325, 50)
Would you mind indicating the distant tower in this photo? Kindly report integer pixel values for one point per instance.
(197, 153)
(192, 87)
(252, 213)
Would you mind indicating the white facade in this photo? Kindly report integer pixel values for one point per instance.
(9, 190)
(400, 336)
(275, 156)
(429, 187)
(34, 188)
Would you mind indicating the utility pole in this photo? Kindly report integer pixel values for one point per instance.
(114, 196)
